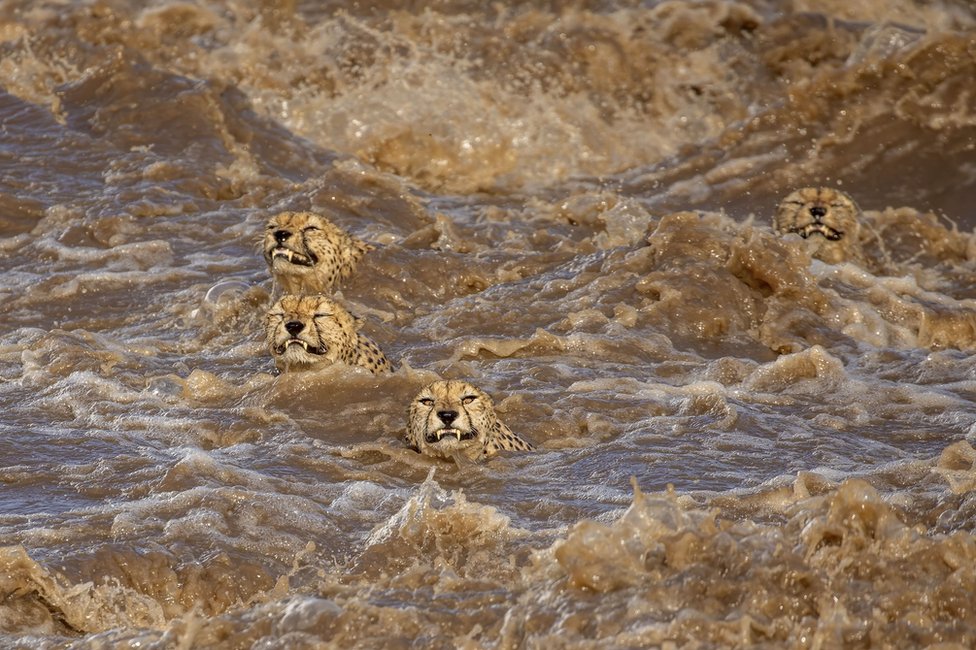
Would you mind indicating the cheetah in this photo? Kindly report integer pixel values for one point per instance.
(449, 418)
(308, 254)
(826, 218)
(304, 332)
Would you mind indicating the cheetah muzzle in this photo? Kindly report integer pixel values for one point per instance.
(436, 436)
(291, 256)
(310, 349)
(818, 228)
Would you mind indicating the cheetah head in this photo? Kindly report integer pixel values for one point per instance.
(449, 418)
(306, 331)
(307, 253)
(826, 217)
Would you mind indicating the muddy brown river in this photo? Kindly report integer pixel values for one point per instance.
(737, 445)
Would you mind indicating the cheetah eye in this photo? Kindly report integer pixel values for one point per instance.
(467, 399)
(310, 228)
(322, 316)
(426, 401)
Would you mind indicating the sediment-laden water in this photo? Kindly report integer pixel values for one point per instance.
(737, 445)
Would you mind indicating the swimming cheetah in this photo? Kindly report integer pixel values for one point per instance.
(303, 332)
(449, 418)
(826, 218)
(308, 254)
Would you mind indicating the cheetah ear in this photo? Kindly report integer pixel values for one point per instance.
(357, 322)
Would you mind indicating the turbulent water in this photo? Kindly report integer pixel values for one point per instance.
(570, 202)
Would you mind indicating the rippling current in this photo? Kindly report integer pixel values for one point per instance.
(570, 204)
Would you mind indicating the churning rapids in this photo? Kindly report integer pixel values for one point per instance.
(570, 202)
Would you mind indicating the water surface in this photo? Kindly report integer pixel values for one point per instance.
(570, 203)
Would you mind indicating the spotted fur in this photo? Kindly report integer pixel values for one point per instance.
(449, 418)
(826, 218)
(308, 254)
(304, 332)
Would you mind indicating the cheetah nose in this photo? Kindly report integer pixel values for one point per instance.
(447, 416)
(294, 327)
(818, 211)
(281, 235)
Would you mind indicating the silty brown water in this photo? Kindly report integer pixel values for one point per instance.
(737, 445)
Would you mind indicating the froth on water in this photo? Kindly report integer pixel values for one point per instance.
(739, 439)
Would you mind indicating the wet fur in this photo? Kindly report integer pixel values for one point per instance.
(325, 254)
(827, 219)
(329, 334)
(476, 418)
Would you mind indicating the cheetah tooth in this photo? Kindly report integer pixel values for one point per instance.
(449, 432)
